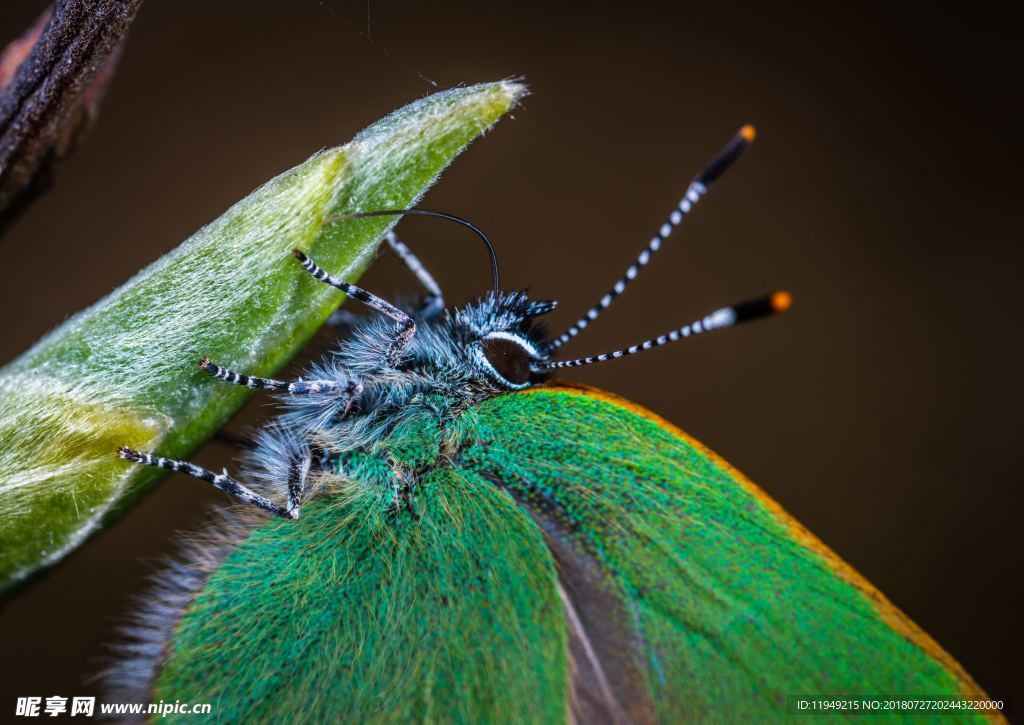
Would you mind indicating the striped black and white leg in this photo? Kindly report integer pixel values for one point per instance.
(433, 303)
(226, 483)
(697, 188)
(405, 327)
(717, 320)
(299, 387)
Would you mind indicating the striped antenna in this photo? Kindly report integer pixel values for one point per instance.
(698, 187)
(717, 320)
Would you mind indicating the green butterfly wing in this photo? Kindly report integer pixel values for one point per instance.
(687, 578)
(570, 556)
(354, 615)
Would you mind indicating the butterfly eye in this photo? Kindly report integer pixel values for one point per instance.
(509, 357)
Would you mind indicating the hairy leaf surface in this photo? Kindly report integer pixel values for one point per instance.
(124, 371)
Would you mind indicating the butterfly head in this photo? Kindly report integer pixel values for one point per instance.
(504, 343)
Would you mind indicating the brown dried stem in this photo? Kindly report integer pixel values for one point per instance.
(52, 81)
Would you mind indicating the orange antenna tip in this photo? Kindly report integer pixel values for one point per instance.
(781, 301)
(748, 132)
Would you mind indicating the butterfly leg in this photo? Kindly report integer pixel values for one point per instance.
(299, 387)
(405, 327)
(433, 303)
(227, 484)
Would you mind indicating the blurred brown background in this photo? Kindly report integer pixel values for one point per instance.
(883, 191)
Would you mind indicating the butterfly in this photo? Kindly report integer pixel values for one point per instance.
(435, 529)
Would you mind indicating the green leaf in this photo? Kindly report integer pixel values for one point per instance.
(125, 370)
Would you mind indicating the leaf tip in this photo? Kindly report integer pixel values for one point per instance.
(515, 90)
